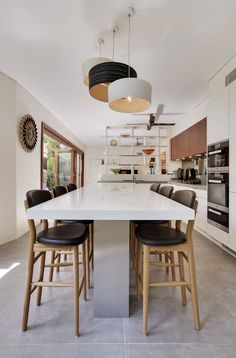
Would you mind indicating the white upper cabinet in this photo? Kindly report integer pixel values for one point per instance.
(218, 108)
(218, 118)
(232, 222)
(232, 137)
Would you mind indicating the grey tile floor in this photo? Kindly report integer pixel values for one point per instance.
(172, 334)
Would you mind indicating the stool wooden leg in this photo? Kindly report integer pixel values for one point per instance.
(58, 261)
(87, 261)
(192, 275)
(41, 274)
(29, 277)
(166, 261)
(137, 269)
(172, 261)
(76, 288)
(92, 244)
(145, 288)
(84, 264)
(182, 278)
(53, 254)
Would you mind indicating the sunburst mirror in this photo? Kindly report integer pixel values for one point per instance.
(28, 133)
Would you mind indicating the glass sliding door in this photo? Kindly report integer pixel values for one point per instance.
(61, 162)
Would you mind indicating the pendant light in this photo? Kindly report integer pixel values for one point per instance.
(129, 95)
(88, 64)
(103, 74)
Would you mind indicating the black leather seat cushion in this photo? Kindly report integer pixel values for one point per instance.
(156, 235)
(66, 222)
(141, 222)
(67, 235)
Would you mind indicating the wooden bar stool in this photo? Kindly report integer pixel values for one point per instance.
(58, 191)
(163, 238)
(67, 237)
(167, 191)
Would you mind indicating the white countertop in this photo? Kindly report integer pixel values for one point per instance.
(109, 201)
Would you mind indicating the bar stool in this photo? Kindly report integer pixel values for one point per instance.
(155, 187)
(61, 190)
(167, 191)
(67, 237)
(71, 187)
(156, 237)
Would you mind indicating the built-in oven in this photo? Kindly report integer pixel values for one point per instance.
(218, 156)
(218, 199)
(218, 190)
(218, 218)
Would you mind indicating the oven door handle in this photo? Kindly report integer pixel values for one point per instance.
(215, 152)
(215, 181)
(215, 212)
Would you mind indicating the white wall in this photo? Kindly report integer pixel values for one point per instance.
(92, 159)
(8, 159)
(21, 170)
(197, 113)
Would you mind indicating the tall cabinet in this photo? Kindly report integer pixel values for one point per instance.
(232, 164)
(221, 125)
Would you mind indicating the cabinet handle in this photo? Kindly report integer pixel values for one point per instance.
(215, 152)
(215, 212)
(215, 181)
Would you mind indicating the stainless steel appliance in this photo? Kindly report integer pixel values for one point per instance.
(218, 157)
(218, 185)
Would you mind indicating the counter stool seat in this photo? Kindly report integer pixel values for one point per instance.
(70, 235)
(66, 222)
(158, 222)
(156, 235)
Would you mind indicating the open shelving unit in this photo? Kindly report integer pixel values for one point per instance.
(128, 152)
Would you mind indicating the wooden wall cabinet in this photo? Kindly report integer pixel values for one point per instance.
(190, 142)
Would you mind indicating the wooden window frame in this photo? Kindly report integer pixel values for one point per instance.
(45, 129)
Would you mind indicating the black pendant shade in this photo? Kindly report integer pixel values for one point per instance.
(101, 75)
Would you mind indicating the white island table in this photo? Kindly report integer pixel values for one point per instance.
(111, 206)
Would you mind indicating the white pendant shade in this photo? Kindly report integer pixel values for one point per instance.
(88, 64)
(129, 95)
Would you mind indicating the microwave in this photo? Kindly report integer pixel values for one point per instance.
(218, 157)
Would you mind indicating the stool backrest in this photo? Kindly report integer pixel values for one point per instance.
(59, 190)
(33, 198)
(71, 187)
(166, 190)
(37, 196)
(155, 187)
(185, 197)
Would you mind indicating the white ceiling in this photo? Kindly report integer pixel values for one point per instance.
(177, 45)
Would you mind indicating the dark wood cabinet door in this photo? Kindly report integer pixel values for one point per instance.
(193, 139)
(184, 142)
(202, 136)
(174, 148)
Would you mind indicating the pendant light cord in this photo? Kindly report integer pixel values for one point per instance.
(100, 49)
(129, 48)
(113, 44)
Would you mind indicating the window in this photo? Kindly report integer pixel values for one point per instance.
(61, 162)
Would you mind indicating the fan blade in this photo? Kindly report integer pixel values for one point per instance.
(164, 124)
(142, 114)
(172, 114)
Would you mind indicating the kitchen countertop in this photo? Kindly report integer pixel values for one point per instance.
(111, 201)
(194, 186)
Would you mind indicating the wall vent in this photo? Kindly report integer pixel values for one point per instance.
(230, 77)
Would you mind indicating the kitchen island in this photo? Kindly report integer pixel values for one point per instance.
(111, 206)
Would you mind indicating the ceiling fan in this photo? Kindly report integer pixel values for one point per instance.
(154, 117)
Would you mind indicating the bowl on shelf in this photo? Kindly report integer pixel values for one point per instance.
(115, 170)
(148, 151)
(125, 135)
(113, 142)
